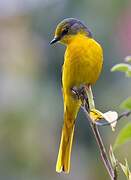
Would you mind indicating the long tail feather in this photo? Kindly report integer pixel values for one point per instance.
(64, 155)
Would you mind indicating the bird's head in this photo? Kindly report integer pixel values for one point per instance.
(67, 29)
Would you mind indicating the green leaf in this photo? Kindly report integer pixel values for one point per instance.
(123, 136)
(122, 67)
(128, 59)
(128, 73)
(112, 158)
(126, 169)
(126, 104)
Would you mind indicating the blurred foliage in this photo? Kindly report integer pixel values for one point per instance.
(124, 136)
(126, 104)
(125, 133)
(123, 67)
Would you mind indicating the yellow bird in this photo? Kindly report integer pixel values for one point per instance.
(83, 61)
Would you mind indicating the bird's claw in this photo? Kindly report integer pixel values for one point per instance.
(78, 92)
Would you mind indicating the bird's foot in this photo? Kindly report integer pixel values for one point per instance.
(77, 92)
(80, 94)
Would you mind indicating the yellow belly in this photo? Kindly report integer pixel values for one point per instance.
(83, 63)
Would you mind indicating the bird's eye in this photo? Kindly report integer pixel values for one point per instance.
(65, 31)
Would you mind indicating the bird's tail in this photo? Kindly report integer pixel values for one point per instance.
(64, 155)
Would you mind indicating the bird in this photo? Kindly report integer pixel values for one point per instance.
(83, 60)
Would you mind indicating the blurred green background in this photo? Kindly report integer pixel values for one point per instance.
(31, 104)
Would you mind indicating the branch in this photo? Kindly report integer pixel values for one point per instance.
(124, 114)
(102, 149)
(86, 96)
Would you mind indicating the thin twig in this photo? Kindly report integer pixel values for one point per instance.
(124, 114)
(86, 97)
(101, 148)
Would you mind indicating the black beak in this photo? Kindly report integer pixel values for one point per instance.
(54, 40)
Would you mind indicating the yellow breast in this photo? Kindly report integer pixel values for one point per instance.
(83, 62)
